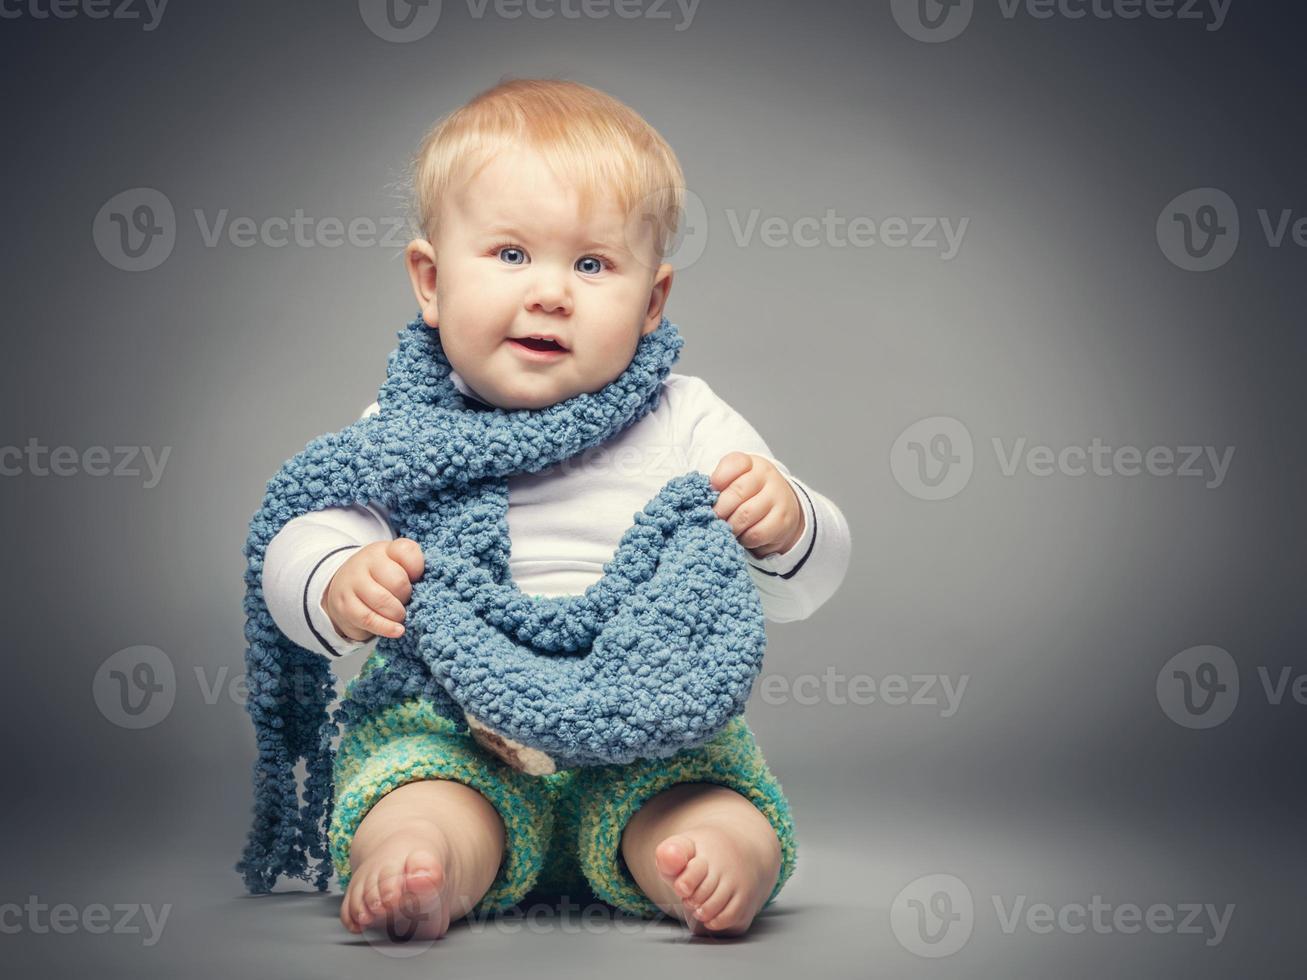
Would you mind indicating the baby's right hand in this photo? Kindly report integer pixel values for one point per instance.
(368, 593)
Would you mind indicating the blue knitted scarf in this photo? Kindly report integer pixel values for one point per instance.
(655, 657)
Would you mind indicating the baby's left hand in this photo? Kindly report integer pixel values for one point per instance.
(758, 502)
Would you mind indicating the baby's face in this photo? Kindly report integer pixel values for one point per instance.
(514, 258)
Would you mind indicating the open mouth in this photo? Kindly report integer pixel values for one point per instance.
(539, 344)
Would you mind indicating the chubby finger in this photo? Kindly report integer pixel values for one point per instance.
(334, 603)
(766, 533)
(750, 513)
(363, 617)
(743, 488)
(408, 553)
(392, 577)
(728, 468)
(379, 599)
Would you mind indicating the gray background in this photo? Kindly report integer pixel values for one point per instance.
(1059, 777)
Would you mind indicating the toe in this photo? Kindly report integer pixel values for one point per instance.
(423, 874)
(715, 904)
(731, 919)
(692, 877)
(346, 918)
(372, 899)
(390, 888)
(673, 854)
(705, 889)
(357, 891)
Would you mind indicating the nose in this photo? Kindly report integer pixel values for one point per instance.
(549, 292)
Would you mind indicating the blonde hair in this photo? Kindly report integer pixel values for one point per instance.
(588, 138)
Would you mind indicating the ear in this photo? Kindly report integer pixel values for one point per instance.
(420, 260)
(662, 286)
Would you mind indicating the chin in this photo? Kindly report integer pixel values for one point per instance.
(511, 401)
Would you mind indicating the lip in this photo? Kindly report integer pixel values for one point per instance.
(537, 355)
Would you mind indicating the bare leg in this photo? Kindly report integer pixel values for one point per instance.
(424, 855)
(704, 853)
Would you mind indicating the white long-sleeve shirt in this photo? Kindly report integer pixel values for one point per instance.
(565, 522)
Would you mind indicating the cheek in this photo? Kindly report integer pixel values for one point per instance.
(473, 297)
(614, 352)
(467, 278)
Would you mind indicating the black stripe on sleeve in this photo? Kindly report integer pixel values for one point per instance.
(308, 618)
(811, 544)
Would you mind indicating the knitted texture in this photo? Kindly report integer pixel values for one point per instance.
(562, 831)
(655, 657)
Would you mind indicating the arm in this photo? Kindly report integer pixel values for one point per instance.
(300, 561)
(793, 583)
(299, 564)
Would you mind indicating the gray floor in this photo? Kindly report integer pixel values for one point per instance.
(832, 920)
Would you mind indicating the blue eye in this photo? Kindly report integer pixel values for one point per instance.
(590, 265)
(512, 255)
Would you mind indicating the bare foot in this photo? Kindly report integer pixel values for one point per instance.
(722, 873)
(407, 885)
(425, 854)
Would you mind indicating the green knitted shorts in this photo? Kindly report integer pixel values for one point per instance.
(563, 830)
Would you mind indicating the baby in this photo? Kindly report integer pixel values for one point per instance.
(545, 209)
